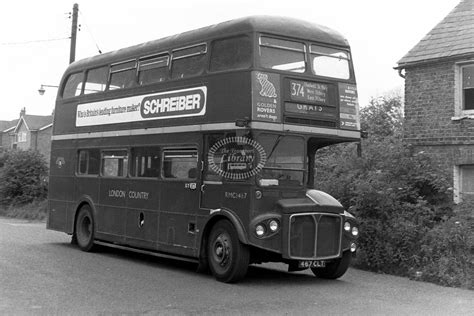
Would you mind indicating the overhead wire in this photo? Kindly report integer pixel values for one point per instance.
(90, 32)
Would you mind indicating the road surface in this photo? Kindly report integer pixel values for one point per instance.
(41, 273)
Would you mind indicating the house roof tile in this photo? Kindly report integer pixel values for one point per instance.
(450, 38)
(36, 122)
(5, 125)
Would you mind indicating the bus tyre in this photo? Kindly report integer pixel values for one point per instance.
(334, 269)
(228, 258)
(85, 229)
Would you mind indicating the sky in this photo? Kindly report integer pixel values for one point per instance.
(35, 45)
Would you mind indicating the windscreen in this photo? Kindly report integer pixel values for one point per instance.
(285, 160)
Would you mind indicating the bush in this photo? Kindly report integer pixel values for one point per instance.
(23, 177)
(408, 224)
(447, 250)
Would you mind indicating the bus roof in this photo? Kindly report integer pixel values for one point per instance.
(283, 26)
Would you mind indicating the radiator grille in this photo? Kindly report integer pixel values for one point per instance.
(315, 236)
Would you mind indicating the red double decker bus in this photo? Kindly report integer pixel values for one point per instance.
(201, 146)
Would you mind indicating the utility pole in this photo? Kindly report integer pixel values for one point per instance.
(72, 55)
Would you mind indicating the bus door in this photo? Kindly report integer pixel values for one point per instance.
(212, 188)
(179, 199)
(228, 162)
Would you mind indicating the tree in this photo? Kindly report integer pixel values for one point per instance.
(23, 177)
(383, 116)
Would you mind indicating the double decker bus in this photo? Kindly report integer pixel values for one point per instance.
(201, 146)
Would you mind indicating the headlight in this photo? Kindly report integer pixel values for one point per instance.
(347, 226)
(273, 225)
(353, 247)
(260, 230)
(355, 231)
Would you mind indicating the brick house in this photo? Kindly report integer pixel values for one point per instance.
(29, 132)
(5, 128)
(439, 96)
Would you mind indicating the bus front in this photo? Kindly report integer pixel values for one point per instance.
(304, 97)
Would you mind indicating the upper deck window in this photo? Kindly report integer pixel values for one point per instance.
(73, 86)
(122, 75)
(189, 61)
(330, 62)
(96, 80)
(153, 69)
(231, 53)
(282, 54)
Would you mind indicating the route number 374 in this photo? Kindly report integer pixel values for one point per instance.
(297, 89)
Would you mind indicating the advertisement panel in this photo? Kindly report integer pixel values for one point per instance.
(266, 97)
(163, 105)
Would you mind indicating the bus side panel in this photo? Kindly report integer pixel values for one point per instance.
(178, 217)
(143, 203)
(237, 197)
(61, 187)
(111, 213)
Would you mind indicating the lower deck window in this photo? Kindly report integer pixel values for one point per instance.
(88, 162)
(180, 163)
(145, 162)
(114, 163)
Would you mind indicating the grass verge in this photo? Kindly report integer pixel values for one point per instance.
(36, 210)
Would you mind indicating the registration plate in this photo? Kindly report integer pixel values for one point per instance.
(311, 264)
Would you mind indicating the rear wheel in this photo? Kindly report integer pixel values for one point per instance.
(228, 258)
(334, 269)
(85, 229)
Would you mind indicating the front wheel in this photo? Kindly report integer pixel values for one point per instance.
(228, 258)
(334, 269)
(85, 229)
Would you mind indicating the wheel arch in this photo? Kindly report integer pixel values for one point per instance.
(85, 200)
(217, 215)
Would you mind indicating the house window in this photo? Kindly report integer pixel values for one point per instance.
(467, 87)
(464, 182)
(464, 86)
(21, 137)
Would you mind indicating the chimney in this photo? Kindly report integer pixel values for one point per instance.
(23, 112)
